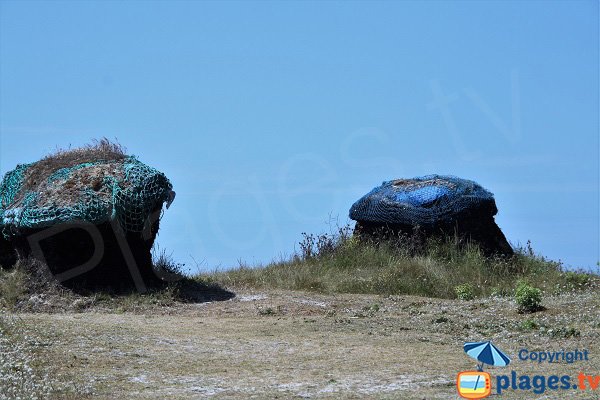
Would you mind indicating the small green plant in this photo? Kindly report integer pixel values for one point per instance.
(564, 332)
(270, 311)
(529, 298)
(529, 325)
(466, 291)
(368, 311)
(372, 308)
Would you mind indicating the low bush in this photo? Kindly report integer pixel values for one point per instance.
(528, 298)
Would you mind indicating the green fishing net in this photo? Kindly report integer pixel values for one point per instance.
(123, 189)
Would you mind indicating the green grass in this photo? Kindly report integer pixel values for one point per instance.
(340, 263)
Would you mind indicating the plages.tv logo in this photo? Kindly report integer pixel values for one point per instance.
(478, 384)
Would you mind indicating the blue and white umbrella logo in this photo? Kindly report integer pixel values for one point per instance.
(486, 353)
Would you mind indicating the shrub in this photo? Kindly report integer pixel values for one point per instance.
(466, 291)
(529, 298)
(576, 280)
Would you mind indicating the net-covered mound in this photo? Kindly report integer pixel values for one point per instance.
(65, 202)
(432, 205)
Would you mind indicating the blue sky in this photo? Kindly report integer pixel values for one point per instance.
(272, 118)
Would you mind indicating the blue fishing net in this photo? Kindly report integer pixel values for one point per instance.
(423, 201)
(125, 190)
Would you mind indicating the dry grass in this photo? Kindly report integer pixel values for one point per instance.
(99, 150)
(102, 149)
(342, 264)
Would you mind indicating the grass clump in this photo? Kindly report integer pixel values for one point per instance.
(465, 291)
(528, 298)
(27, 281)
(165, 266)
(102, 149)
(529, 325)
(564, 332)
(341, 263)
(12, 286)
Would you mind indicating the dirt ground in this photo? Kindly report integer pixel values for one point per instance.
(302, 345)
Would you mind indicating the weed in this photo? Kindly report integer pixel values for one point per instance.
(12, 286)
(529, 298)
(564, 332)
(499, 291)
(373, 308)
(529, 325)
(165, 266)
(465, 291)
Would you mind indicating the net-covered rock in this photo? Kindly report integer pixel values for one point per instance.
(100, 187)
(433, 205)
(126, 190)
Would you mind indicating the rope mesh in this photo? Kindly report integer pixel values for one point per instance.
(423, 201)
(126, 190)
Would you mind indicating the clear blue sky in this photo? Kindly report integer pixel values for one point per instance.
(271, 117)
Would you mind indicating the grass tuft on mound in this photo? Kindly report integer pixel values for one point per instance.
(340, 263)
(102, 149)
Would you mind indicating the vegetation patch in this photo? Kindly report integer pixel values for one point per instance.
(529, 325)
(528, 298)
(465, 291)
(341, 263)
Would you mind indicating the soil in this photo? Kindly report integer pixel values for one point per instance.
(282, 344)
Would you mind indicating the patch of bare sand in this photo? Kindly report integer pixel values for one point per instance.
(301, 345)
